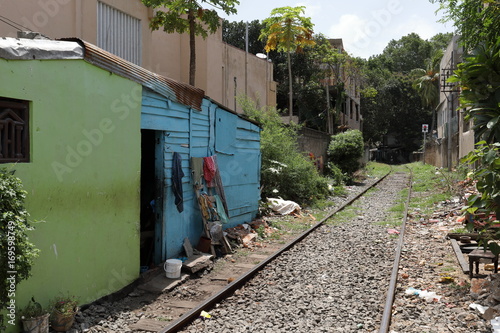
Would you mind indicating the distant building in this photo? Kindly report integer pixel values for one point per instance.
(453, 137)
(349, 113)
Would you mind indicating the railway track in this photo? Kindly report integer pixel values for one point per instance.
(335, 277)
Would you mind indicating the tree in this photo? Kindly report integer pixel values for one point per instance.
(440, 41)
(286, 30)
(188, 16)
(234, 33)
(285, 172)
(407, 53)
(426, 83)
(345, 150)
(477, 21)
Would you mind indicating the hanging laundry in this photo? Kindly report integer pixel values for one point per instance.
(177, 175)
(219, 207)
(209, 170)
(207, 208)
(197, 170)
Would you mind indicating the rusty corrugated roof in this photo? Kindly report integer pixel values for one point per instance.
(176, 91)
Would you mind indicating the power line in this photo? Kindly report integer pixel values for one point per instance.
(13, 24)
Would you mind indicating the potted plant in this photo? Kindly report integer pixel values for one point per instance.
(34, 318)
(64, 309)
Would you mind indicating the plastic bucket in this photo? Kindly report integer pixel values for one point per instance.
(173, 268)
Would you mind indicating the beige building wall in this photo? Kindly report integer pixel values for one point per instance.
(217, 64)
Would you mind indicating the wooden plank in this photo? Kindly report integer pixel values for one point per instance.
(182, 304)
(245, 266)
(149, 325)
(461, 259)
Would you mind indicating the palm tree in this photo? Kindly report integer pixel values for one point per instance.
(426, 83)
(188, 16)
(286, 30)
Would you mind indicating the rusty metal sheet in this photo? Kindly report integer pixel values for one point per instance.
(176, 91)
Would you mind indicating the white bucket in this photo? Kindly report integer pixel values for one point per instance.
(173, 268)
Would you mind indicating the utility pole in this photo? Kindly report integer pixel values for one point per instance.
(425, 129)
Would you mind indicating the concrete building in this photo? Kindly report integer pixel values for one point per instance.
(453, 137)
(122, 28)
(349, 113)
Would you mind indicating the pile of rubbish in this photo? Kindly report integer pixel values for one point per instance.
(246, 234)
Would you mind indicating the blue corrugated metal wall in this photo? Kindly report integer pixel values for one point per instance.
(194, 133)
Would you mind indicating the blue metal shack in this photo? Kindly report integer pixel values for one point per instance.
(177, 117)
(192, 133)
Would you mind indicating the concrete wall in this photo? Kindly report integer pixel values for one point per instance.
(166, 54)
(83, 177)
(450, 121)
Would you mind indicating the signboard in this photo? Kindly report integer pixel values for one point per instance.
(425, 128)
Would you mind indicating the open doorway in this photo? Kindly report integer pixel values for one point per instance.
(148, 195)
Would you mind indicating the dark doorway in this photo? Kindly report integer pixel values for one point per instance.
(148, 213)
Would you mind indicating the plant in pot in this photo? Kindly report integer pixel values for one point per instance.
(34, 318)
(64, 309)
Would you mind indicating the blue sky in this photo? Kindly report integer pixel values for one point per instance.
(366, 26)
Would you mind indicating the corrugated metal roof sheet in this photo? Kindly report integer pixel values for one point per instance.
(39, 49)
(176, 91)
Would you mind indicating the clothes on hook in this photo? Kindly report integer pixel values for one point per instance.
(209, 170)
(177, 175)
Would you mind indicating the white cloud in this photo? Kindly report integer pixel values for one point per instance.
(349, 27)
(311, 10)
(419, 25)
(356, 35)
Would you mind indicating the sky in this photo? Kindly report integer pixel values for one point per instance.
(365, 26)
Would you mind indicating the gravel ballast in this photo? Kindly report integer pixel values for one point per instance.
(335, 280)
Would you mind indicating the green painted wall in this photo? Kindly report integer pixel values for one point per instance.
(84, 176)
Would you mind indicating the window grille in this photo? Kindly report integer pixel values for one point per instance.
(119, 33)
(14, 130)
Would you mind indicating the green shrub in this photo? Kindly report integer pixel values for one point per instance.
(345, 151)
(17, 253)
(285, 172)
(336, 175)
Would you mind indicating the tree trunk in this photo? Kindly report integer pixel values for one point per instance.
(192, 48)
(290, 88)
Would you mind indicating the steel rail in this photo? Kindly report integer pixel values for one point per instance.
(209, 303)
(387, 314)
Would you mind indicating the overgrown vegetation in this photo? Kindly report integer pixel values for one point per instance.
(285, 171)
(17, 253)
(345, 151)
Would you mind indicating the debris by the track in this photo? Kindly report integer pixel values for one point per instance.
(446, 279)
(197, 262)
(283, 207)
(205, 315)
(150, 325)
(478, 307)
(495, 324)
(392, 231)
(429, 296)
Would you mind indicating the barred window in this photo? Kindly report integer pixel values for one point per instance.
(14, 130)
